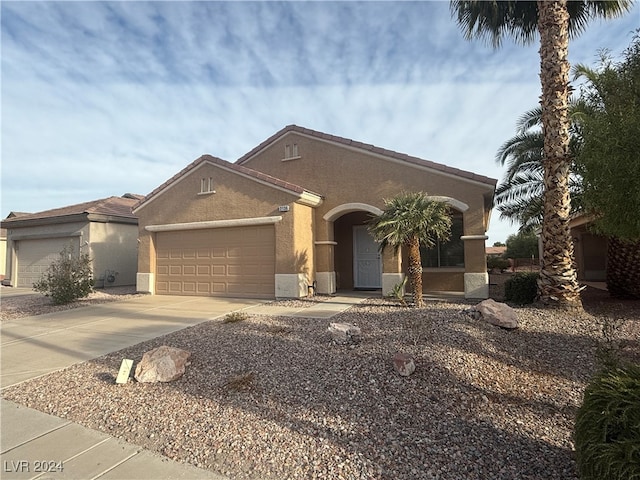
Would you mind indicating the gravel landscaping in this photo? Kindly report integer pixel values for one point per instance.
(39, 304)
(274, 398)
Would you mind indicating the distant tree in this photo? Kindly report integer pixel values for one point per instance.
(409, 220)
(522, 245)
(499, 244)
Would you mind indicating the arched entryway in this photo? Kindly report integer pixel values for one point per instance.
(357, 262)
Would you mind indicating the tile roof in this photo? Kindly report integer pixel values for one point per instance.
(113, 206)
(495, 250)
(296, 189)
(370, 148)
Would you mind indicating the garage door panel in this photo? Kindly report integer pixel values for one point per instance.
(204, 270)
(34, 256)
(189, 270)
(226, 261)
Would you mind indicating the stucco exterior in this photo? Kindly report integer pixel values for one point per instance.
(321, 188)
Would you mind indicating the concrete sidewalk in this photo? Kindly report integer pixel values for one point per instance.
(36, 346)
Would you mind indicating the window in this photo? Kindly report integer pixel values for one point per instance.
(446, 254)
(206, 185)
(291, 151)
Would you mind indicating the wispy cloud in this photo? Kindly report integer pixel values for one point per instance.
(100, 98)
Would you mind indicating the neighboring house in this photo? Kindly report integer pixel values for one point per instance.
(496, 251)
(105, 229)
(3, 252)
(589, 250)
(290, 216)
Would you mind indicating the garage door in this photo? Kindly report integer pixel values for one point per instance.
(35, 256)
(222, 261)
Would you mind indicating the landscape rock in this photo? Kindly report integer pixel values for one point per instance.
(496, 313)
(345, 333)
(162, 364)
(404, 364)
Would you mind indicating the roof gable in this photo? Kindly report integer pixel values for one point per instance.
(254, 175)
(382, 152)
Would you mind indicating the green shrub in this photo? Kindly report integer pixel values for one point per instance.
(522, 288)
(68, 278)
(607, 429)
(397, 292)
(497, 263)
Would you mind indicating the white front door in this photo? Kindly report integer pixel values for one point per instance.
(367, 264)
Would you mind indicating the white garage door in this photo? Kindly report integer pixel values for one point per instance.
(35, 256)
(233, 262)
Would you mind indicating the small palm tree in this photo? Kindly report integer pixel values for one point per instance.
(409, 220)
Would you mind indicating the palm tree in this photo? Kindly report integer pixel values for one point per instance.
(519, 197)
(409, 220)
(554, 21)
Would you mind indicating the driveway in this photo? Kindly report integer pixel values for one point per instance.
(35, 346)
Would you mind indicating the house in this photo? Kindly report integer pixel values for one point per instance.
(589, 250)
(289, 218)
(106, 229)
(496, 251)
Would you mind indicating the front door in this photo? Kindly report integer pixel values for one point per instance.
(367, 264)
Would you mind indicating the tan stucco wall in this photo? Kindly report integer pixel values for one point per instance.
(114, 247)
(442, 281)
(303, 232)
(334, 171)
(235, 197)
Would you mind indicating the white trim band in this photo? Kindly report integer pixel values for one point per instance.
(325, 242)
(457, 204)
(236, 222)
(340, 210)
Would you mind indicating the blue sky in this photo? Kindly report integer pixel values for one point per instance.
(103, 98)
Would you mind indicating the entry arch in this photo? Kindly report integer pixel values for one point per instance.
(345, 208)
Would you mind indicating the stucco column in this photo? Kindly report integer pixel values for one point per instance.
(325, 269)
(145, 278)
(391, 270)
(325, 250)
(476, 278)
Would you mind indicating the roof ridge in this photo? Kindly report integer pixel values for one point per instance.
(368, 147)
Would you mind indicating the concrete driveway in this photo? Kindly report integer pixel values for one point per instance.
(35, 346)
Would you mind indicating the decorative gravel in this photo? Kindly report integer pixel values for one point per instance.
(38, 304)
(274, 398)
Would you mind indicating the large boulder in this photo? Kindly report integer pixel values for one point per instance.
(344, 333)
(496, 313)
(162, 364)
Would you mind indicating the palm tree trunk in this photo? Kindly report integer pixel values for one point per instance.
(415, 271)
(558, 283)
(623, 268)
